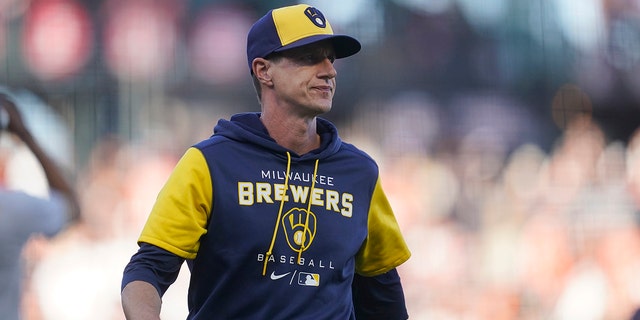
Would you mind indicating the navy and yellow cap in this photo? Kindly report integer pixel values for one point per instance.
(294, 26)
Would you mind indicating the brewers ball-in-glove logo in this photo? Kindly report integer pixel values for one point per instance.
(316, 17)
(299, 228)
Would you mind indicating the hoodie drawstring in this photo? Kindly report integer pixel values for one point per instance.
(306, 222)
(282, 201)
(275, 230)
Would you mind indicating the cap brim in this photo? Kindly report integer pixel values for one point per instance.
(343, 46)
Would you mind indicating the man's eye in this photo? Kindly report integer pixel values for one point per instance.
(310, 58)
(316, 58)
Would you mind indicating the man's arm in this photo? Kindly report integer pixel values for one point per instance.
(54, 175)
(146, 278)
(141, 301)
(379, 297)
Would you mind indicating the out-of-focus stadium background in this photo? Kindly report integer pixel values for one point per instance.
(505, 131)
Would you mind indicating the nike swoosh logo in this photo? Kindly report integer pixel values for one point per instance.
(275, 276)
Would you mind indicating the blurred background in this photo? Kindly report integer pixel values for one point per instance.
(506, 132)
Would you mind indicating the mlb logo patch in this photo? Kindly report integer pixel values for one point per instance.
(308, 279)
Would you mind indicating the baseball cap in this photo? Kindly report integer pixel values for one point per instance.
(294, 26)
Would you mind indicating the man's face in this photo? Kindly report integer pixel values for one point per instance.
(304, 78)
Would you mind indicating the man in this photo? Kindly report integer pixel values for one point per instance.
(276, 216)
(22, 215)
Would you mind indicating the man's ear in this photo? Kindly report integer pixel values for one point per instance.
(260, 67)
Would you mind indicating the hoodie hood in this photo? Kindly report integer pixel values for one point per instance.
(248, 128)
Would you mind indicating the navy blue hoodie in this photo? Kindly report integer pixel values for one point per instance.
(270, 234)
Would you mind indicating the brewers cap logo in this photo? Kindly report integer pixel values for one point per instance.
(316, 17)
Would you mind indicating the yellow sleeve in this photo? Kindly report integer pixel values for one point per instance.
(181, 212)
(384, 248)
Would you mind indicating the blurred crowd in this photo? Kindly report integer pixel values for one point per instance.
(532, 236)
(507, 132)
(495, 234)
(522, 234)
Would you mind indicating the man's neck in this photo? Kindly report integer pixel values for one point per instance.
(297, 134)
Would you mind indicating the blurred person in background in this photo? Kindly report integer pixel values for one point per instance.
(22, 215)
(116, 189)
(275, 215)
